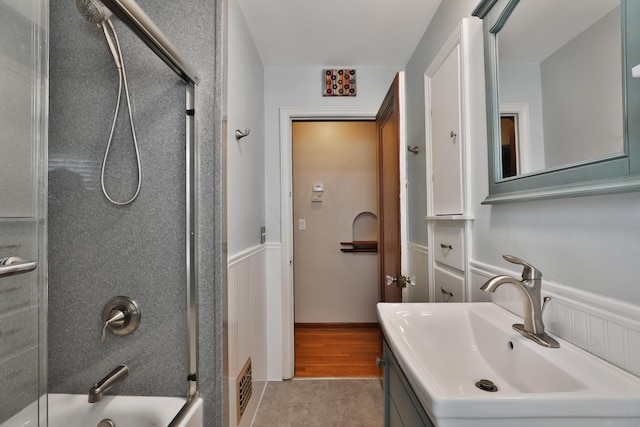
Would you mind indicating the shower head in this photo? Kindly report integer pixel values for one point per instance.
(93, 11)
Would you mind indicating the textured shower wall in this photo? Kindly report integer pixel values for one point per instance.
(98, 250)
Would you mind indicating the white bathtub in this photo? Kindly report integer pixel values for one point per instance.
(73, 410)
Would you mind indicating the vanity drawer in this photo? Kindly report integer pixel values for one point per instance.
(449, 246)
(447, 283)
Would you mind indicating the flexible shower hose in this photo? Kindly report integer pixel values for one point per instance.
(122, 78)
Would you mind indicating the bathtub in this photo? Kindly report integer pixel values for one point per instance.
(73, 410)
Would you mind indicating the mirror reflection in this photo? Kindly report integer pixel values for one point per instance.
(560, 84)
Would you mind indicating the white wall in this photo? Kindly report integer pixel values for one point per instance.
(302, 87)
(245, 158)
(247, 305)
(331, 286)
(587, 243)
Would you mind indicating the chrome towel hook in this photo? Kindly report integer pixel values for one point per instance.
(240, 134)
(414, 150)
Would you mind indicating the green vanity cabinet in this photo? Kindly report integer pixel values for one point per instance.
(401, 405)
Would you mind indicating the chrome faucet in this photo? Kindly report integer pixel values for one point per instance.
(529, 288)
(114, 377)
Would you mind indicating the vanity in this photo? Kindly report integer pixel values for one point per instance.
(463, 365)
(401, 405)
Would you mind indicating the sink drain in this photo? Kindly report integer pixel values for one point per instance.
(487, 385)
(106, 423)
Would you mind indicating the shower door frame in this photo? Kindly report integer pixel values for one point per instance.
(35, 18)
(137, 20)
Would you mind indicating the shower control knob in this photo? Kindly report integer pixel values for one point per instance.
(120, 316)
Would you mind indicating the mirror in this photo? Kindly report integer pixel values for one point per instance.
(560, 92)
(559, 97)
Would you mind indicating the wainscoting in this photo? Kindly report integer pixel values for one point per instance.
(605, 327)
(418, 267)
(247, 316)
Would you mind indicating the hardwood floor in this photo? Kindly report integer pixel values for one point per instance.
(337, 350)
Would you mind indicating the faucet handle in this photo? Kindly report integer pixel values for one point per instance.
(529, 272)
(116, 318)
(120, 316)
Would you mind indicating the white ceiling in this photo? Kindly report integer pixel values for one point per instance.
(337, 32)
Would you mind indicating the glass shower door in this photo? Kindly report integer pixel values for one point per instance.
(23, 144)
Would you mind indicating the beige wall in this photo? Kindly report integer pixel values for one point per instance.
(329, 285)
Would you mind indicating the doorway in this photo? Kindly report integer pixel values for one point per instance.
(335, 233)
(287, 117)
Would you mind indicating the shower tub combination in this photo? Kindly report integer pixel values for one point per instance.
(74, 410)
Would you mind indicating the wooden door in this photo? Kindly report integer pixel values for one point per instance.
(389, 241)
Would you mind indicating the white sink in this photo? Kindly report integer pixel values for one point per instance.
(444, 349)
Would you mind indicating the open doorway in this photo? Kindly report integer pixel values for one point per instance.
(391, 168)
(335, 203)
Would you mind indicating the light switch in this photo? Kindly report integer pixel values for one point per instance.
(302, 224)
(316, 197)
(318, 187)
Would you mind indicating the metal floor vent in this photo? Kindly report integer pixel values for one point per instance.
(244, 387)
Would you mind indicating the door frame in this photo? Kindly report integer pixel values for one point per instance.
(287, 116)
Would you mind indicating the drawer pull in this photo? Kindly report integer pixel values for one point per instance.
(443, 246)
(446, 292)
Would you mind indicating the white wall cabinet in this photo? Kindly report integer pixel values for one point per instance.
(449, 217)
(446, 148)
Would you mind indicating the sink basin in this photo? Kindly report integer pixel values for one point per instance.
(444, 349)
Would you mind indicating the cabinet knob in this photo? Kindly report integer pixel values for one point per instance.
(446, 292)
(453, 134)
(380, 362)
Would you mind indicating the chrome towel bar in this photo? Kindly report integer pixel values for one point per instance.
(15, 265)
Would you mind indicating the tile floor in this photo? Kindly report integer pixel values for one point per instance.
(321, 403)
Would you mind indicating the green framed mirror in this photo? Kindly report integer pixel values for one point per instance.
(563, 107)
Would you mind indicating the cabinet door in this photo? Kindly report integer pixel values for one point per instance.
(446, 141)
(402, 408)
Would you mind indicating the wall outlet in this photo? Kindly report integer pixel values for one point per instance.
(302, 224)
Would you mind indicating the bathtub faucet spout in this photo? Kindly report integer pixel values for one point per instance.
(114, 377)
